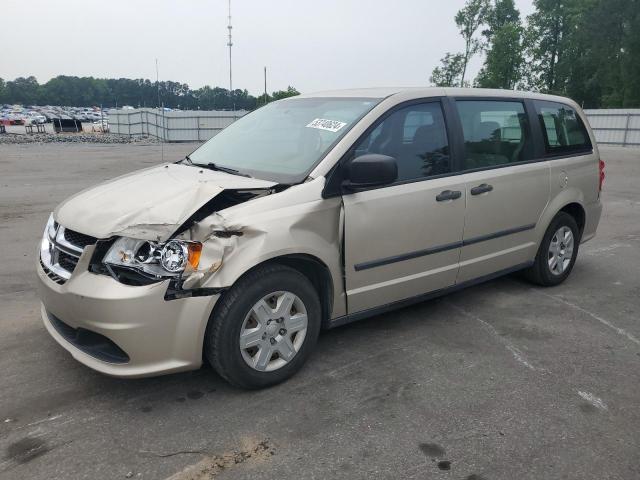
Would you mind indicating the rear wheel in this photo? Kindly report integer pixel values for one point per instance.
(264, 328)
(557, 252)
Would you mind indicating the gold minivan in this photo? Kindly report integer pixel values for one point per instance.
(312, 212)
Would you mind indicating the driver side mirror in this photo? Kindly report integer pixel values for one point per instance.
(371, 170)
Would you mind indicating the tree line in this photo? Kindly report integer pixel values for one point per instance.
(588, 50)
(112, 92)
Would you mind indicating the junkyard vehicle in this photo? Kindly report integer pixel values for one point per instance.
(312, 212)
(35, 118)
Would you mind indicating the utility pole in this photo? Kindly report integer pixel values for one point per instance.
(162, 107)
(230, 44)
(158, 82)
(265, 85)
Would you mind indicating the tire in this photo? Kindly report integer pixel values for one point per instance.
(234, 313)
(541, 273)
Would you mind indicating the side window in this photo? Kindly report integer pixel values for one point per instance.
(495, 133)
(563, 129)
(416, 137)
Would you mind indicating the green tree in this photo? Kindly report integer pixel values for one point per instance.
(503, 63)
(278, 95)
(468, 20)
(549, 39)
(449, 74)
(588, 50)
(498, 15)
(505, 49)
(603, 65)
(630, 54)
(89, 91)
(110, 92)
(289, 92)
(23, 91)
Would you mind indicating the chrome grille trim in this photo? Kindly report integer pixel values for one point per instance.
(53, 276)
(58, 247)
(61, 241)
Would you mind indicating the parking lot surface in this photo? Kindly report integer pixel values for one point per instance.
(500, 381)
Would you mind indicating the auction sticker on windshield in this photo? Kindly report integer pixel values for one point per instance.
(324, 124)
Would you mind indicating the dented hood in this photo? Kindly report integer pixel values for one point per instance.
(149, 204)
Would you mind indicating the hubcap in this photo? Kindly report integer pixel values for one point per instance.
(560, 251)
(273, 331)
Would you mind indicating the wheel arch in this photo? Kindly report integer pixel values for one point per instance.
(318, 274)
(313, 268)
(578, 213)
(539, 272)
(571, 201)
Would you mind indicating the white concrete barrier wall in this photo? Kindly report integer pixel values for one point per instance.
(183, 126)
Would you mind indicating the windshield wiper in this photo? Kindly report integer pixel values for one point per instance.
(185, 160)
(220, 168)
(213, 166)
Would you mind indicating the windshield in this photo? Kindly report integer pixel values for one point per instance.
(283, 141)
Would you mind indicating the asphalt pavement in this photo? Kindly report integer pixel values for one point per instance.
(504, 380)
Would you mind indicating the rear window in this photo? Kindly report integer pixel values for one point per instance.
(564, 131)
(495, 133)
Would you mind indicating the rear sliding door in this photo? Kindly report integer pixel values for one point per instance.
(506, 186)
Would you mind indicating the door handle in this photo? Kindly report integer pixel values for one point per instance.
(482, 188)
(448, 195)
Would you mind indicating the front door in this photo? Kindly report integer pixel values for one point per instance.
(404, 240)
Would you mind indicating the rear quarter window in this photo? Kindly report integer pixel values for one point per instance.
(563, 130)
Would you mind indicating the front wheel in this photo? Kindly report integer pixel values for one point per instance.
(557, 252)
(264, 328)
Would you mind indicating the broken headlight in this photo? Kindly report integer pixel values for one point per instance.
(170, 259)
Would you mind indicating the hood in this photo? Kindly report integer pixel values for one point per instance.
(149, 204)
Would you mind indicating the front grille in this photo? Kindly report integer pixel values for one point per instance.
(66, 261)
(65, 249)
(79, 239)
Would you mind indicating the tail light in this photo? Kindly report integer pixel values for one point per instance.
(602, 175)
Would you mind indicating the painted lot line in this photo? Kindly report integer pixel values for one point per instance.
(519, 356)
(607, 323)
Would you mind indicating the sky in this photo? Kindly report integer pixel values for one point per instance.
(310, 44)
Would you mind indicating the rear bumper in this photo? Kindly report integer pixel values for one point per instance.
(124, 331)
(593, 212)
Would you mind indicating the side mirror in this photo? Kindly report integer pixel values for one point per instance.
(371, 170)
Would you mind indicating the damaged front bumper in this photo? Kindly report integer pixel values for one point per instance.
(122, 330)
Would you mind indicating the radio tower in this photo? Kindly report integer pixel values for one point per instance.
(230, 44)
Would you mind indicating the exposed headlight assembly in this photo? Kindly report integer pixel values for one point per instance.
(170, 259)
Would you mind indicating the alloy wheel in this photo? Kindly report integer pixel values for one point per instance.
(560, 250)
